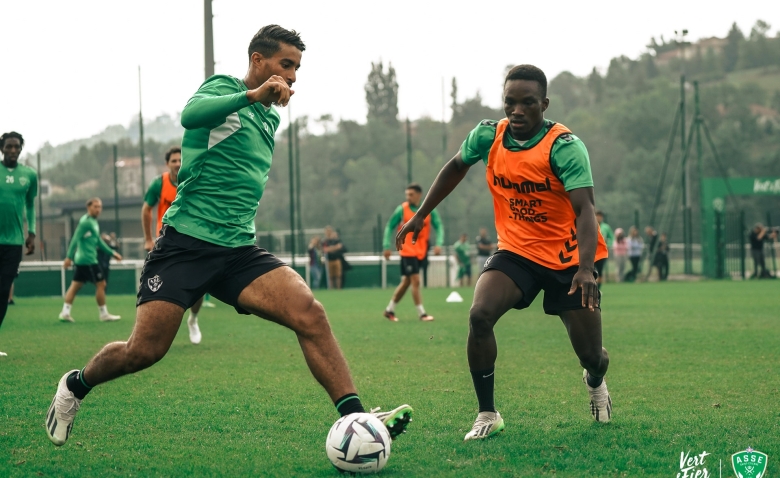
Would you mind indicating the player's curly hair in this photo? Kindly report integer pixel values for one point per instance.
(11, 134)
(266, 40)
(171, 150)
(530, 73)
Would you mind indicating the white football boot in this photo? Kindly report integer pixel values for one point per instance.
(65, 317)
(109, 317)
(192, 324)
(396, 420)
(62, 412)
(600, 401)
(3, 354)
(486, 425)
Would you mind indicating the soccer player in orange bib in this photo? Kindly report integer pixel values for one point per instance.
(548, 239)
(161, 193)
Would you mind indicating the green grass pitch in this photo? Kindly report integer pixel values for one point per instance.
(694, 368)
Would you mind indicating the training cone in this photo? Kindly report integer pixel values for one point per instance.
(454, 297)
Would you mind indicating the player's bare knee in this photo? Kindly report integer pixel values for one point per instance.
(312, 320)
(481, 321)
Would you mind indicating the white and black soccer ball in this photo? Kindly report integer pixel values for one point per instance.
(358, 443)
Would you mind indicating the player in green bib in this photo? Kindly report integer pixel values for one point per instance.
(207, 242)
(83, 253)
(18, 188)
(462, 255)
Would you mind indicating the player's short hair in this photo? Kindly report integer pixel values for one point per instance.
(11, 134)
(600, 213)
(91, 201)
(266, 41)
(173, 149)
(530, 73)
(415, 187)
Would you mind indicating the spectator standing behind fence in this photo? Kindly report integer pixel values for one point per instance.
(758, 236)
(485, 248)
(334, 251)
(620, 252)
(661, 257)
(635, 247)
(462, 254)
(315, 263)
(609, 238)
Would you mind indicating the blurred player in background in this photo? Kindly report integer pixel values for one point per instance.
(82, 252)
(414, 253)
(548, 238)
(161, 193)
(18, 188)
(462, 254)
(207, 242)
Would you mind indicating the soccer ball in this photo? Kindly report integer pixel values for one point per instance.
(358, 443)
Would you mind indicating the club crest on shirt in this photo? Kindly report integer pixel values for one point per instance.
(23, 181)
(154, 283)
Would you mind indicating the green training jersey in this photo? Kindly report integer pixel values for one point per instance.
(607, 234)
(18, 188)
(568, 159)
(462, 251)
(86, 240)
(226, 155)
(398, 216)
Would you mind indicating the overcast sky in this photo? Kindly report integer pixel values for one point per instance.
(69, 69)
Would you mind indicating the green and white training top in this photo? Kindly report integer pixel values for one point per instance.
(226, 155)
(18, 188)
(86, 240)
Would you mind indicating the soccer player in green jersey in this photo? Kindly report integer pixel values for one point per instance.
(609, 238)
(207, 243)
(83, 252)
(18, 188)
(461, 248)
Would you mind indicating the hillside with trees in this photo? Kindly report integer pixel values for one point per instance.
(355, 171)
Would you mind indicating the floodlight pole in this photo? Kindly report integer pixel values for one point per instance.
(298, 184)
(40, 211)
(116, 195)
(141, 134)
(208, 31)
(291, 157)
(697, 121)
(408, 151)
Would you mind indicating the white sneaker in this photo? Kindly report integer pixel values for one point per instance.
(109, 317)
(486, 425)
(65, 317)
(396, 420)
(208, 304)
(600, 401)
(62, 412)
(194, 330)
(3, 354)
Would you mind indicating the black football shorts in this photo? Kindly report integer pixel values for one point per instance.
(533, 278)
(181, 269)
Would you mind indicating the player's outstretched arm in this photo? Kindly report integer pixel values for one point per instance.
(448, 178)
(583, 203)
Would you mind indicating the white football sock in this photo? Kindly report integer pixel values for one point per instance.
(421, 309)
(193, 318)
(103, 309)
(66, 308)
(391, 306)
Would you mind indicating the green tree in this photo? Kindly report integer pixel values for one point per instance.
(731, 49)
(382, 94)
(454, 95)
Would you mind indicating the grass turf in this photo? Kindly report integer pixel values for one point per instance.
(694, 368)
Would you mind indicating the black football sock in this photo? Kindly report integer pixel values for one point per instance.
(349, 403)
(77, 384)
(594, 382)
(484, 381)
